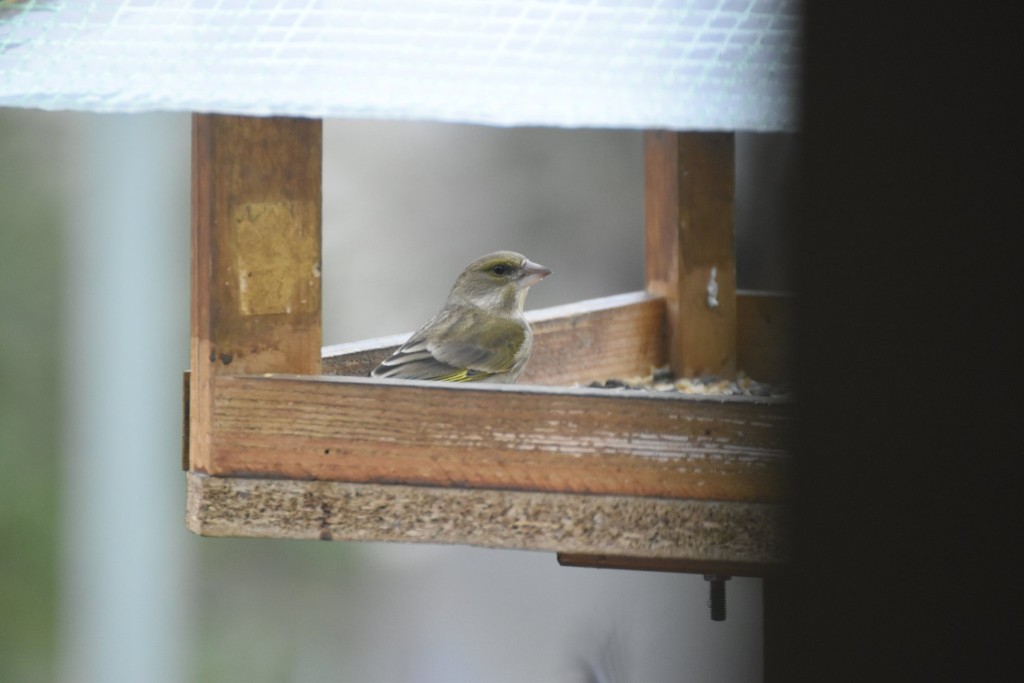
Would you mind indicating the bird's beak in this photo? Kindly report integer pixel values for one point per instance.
(532, 274)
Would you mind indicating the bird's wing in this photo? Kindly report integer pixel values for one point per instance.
(415, 361)
(474, 350)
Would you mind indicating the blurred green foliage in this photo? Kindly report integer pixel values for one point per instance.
(30, 280)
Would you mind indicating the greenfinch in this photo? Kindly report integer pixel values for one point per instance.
(481, 334)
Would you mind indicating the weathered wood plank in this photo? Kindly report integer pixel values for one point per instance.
(690, 260)
(499, 436)
(256, 213)
(718, 532)
(358, 358)
(615, 336)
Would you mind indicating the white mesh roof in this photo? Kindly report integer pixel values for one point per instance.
(685, 64)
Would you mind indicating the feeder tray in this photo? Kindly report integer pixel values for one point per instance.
(285, 439)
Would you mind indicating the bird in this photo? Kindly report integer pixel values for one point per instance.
(481, 334)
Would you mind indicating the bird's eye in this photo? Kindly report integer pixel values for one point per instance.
(499, 269)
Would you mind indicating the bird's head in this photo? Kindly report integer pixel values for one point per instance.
(498, 282)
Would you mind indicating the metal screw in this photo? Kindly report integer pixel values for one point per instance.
(717, 600)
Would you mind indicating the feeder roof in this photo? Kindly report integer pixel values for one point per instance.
(684, 65)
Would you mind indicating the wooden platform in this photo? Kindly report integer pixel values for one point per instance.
(288, 440)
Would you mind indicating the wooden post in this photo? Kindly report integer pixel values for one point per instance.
(690, 260)
(256, 211)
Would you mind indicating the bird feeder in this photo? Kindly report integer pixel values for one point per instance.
(286, 438)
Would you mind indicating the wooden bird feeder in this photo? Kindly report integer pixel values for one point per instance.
(285, 439)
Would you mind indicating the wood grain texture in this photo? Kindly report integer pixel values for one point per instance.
(499, 436)
(256, 214)
(689, 254)
(615, 336)
(741, 533)
(357, 359)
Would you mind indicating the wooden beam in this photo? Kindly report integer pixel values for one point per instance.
(616, 336)
(638, 443)
(690, 260)
(256, 203)
(714, 532)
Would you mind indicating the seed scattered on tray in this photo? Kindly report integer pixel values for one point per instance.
(662, 379)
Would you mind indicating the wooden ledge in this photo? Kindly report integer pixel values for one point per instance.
(498, 436)
(522, 437)
(694, 481)
(742, 538)
(616, 336)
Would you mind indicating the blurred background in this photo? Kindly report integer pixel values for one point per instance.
(99, 581)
